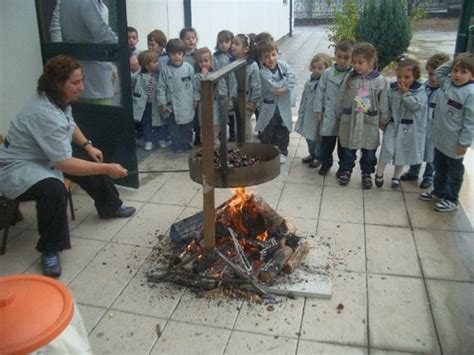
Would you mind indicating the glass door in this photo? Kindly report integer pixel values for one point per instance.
(95, 33)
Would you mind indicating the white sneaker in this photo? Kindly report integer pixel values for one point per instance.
(282, 159)
(162, 144)
(148, 146)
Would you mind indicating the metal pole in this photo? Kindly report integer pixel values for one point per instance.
(240, 119)
(463, 29)
(207, 133)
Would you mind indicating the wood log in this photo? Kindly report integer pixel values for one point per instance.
(274, 266)
(295, 260)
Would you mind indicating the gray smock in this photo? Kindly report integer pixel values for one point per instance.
(140, 98)
(176, 89)
(404, 136)
(281, 77)
(327, 95)
(87, 22)
(220, 92)
(189, 57)
(222, 60)
(432, 94)
(38, 138)
(253, 85)
(361, 129)
(453, 123)
(307, 124)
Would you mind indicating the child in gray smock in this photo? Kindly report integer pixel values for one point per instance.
(146, 111)
(222, 58)
(431, 88)
(327, 95)
(176, 96)
(278, 83)
(452, 130)
(244, 48)
(307, 124)
(363, 107)
(404, 136)
(204, 61)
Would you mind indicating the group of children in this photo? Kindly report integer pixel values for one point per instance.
(350, 102)
(167, 78)
(345, 105)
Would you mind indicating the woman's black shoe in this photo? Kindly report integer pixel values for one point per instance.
(307, 159)
(51, 264)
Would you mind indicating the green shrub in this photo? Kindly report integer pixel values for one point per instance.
(344, 20)
(386, 26)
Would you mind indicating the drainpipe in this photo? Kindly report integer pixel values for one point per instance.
(463, 29)
(291, 18)
(187, 13)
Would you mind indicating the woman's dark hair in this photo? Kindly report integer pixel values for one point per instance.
(55, 73)
(405, 62)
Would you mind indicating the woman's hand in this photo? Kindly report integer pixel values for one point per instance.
(94, 153)
(116, 171)
(461, 150)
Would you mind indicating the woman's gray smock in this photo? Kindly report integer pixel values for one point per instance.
(39, 137)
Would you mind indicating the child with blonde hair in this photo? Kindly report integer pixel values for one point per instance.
(204, 66)
(363, 107)
(145, 106)
(307, 125)
(404, 136)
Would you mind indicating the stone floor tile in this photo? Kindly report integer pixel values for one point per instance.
(280, 319)
(188, 212)
(93, 227)
(125, 333)
(20, 254)
(453, 309)
(319, 259)
(183, 338)
(347, 245)
(388, 352)
(342, 204)
(303, 174)
(106, 276)
(90, 315)
(343, 318)
(250, 343)
(74, 260)
(13, 233)
(212, 312)
(83, 207)
(149, 185)
(399, 315)
(305, 227)
(422, 215)
(148, 224)
(299, 200)
(152, 299)
(391, 250)
(385, 208)
(177, 191)
(446, 255)
(165, 160)
(28, 211)
(311, 347)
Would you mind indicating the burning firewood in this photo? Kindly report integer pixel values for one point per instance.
(274, 266)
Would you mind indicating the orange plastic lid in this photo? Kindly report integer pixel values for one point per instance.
(34, 310)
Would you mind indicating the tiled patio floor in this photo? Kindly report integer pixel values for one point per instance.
(404, 273)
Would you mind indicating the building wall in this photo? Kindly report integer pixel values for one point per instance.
(239, 16)
(20, 57)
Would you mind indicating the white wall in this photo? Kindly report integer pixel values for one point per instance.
(149, 15)
(239, 16)
(20, 57)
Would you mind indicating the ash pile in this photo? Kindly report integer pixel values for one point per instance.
(254, 245)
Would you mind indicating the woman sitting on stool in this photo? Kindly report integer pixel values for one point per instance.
(37, 151)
